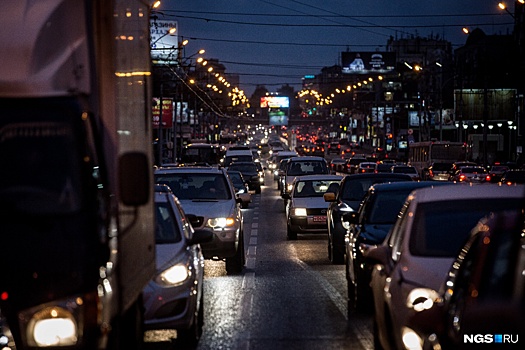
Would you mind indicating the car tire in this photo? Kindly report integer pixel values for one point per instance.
(337, 257)
(235, 263)
(291, 235)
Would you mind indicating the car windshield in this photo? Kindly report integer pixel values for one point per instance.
(244, 168)
(166, 229)
(196, 185)
(404, 170)
(386, 207)
(307, 167)
(355, 189)
(441, 228)
(313, 188)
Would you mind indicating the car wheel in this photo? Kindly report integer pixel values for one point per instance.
(377, 342)
(336, 255)
(291, 235)
(235, 263)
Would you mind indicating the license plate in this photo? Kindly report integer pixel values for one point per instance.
(319, 218)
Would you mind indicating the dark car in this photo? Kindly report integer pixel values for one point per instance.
(250, 173)
(241, 187)
(439, 171)
(347, 199)
(370, 225)
(497, 171)
(483, 293)
(513, 177)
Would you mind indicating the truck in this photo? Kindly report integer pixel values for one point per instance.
(76, 182)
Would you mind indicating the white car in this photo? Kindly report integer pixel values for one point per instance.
(306, 208)
(208, 194)
(418, 252)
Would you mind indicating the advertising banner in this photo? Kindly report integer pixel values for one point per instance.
(275, 102)
(368, 62)
(163, 44)
(167, 112)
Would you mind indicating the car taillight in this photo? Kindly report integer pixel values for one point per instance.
(462, 177)
(487, 178)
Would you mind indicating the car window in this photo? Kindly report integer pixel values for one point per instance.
(196, 185)
(166, 229)
(440, 228)
(314, 188)
(386, 207)
(307, 167)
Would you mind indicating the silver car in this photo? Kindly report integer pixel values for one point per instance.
(418, 252)
(173, 299)
(208, 194)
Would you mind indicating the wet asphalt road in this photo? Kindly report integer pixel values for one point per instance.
(289, 296)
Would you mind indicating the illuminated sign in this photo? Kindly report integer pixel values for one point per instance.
(368, 62)
(275, 102)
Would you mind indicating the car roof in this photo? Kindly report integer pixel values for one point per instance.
(305, 158)
(318, 177)
(469, 192)
(377, 175)
(404, 185)
(193, 169)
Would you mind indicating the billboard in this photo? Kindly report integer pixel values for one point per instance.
(368, 62)
(277, 117)
(167, 112)
(275, 102)
(163, 44)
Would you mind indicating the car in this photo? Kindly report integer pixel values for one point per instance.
(406, 169)
(304, 165)
(306, 209)
(512, 177)
(348, 197)
(174, 298)
(383, 167)
(276, 159)
(420, 248)
(241, 187)
(201, 153)
(483, 291)
(369, 225)
(208, 193)
(232, 156)
(497, 171)
(472, 174)
(439, 171)
(366, 167)
(352, 164)
(336, 165)
(251, 174)
(334, 147)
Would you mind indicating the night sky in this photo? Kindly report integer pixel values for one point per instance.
(277, 42)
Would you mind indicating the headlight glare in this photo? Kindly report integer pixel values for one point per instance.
(421, 299)
(411, 340)
(174, 275)
(218, 223)
(52, 326)
(299, 212)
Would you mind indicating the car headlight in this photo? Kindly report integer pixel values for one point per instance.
(411, 340)
(299, 211)
(57, 324)
(220, 223)
(174, 275)
(289, 188)
(421, 299)
(261, 179)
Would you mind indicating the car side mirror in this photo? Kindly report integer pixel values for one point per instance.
(329, 197)
(134, 178)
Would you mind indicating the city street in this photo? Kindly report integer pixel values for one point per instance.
(289, 296)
